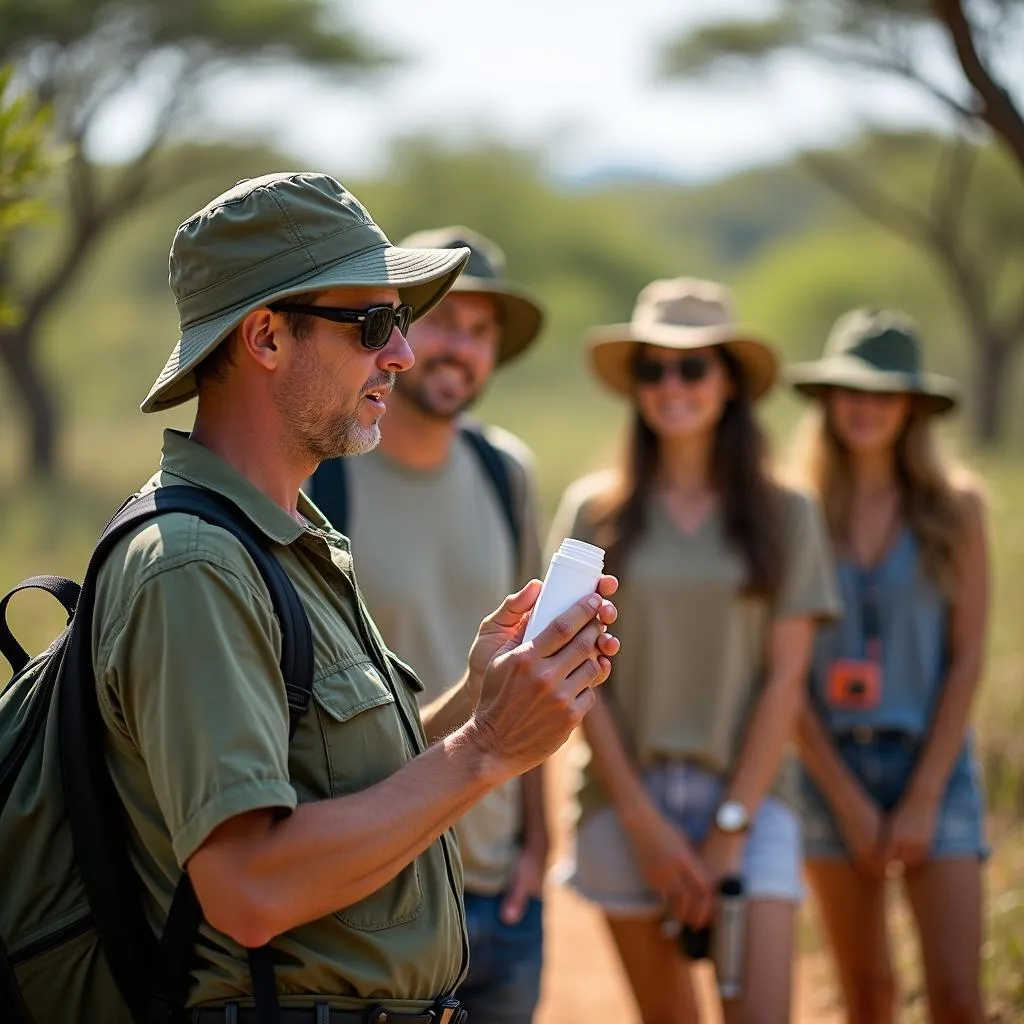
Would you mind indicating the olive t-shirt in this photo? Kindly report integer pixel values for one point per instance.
(434, 555)
(186, 650)
(693, 644)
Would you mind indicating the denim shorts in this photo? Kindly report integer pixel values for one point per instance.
(883, 763)
(604, 869)
(505, 960)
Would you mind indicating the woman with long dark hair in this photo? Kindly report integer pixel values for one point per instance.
(890, 781)
(723, 573)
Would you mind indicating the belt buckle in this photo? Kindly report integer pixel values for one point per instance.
(862, 734)
(449, 1011)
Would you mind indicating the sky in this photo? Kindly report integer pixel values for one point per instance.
(540, 73)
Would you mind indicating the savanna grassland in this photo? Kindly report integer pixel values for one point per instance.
(796, 258)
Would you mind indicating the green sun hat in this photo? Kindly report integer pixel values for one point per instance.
(522, 316)
(274, 236)
(874, 350)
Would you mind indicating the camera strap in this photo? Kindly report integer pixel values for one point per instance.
(871, 615)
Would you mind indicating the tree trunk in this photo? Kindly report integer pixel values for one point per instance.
(34, 394)
(991, 368)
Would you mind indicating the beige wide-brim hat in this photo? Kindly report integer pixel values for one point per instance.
(522, 315)
(681, 313)
(878, 351)
(274, 236)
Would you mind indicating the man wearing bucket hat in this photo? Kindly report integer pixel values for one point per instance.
(333, 848)
(443, 522)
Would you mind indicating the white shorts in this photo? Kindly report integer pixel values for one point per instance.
(604, 869)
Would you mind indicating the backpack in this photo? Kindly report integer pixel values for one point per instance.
(329, 488)
(74, 941)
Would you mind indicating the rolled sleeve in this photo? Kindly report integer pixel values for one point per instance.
(809, 587)
(196, 676)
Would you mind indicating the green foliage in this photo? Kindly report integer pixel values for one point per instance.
(886, 35)
(305, 31)
(723, 44)
(26, 157)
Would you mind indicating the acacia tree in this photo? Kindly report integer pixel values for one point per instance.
(896, 38)
(81, 58)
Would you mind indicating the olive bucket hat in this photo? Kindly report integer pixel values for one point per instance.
(278, 235)
(874, 350)
(682, 313)
(521, 314)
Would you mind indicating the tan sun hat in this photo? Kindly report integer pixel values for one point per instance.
(681, 313)
(874, 350)
(521, 314)
(278, 235)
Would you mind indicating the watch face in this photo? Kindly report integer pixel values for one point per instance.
(732, 816)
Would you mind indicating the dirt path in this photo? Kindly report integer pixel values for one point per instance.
(583, 981)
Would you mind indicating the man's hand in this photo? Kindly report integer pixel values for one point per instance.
(527, 883)
(533, 695)
(501, 631)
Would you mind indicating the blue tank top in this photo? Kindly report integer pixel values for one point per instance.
(913, 616)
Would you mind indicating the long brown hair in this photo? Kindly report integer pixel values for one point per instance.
(931, 487)
(739, 473)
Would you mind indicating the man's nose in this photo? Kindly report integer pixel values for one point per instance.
(396, 355)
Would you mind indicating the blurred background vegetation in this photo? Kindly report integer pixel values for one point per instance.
(931, 223)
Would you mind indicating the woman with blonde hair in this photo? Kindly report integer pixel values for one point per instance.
(890, 780)
(723, 574)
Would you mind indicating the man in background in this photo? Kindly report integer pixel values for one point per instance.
(443, 522)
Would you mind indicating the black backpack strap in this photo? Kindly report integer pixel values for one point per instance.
(264, 984)
(152, 978)
(328, 487)
(64, 590)
(495, 466)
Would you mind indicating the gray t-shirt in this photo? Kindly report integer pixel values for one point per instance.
(693, 644)
(433, 555)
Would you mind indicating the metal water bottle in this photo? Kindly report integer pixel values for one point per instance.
(728, 938)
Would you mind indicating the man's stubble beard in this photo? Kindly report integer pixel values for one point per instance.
(417, 394)
(316, 436)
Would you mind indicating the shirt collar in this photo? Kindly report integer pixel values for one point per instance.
(182, 457)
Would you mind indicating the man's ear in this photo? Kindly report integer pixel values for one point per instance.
(258, 337)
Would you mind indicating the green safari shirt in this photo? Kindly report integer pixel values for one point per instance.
(186, 651)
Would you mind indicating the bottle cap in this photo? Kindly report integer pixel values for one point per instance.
(588, 554)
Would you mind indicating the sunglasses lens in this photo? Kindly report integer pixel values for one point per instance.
(403, 317)
(648, 371)
(693, 368)
(377, 326)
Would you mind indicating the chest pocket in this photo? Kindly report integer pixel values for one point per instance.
(365, 742)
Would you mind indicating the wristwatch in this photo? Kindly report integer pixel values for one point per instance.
(732, 817)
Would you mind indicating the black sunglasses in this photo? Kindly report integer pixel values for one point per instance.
(690, 369)
(377, 322)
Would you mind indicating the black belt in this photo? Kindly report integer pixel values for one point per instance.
(324, 1014)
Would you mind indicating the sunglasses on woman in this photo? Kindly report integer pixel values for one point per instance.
(376, 322)
(689, 368)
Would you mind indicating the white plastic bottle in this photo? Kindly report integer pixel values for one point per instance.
(573, 572)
